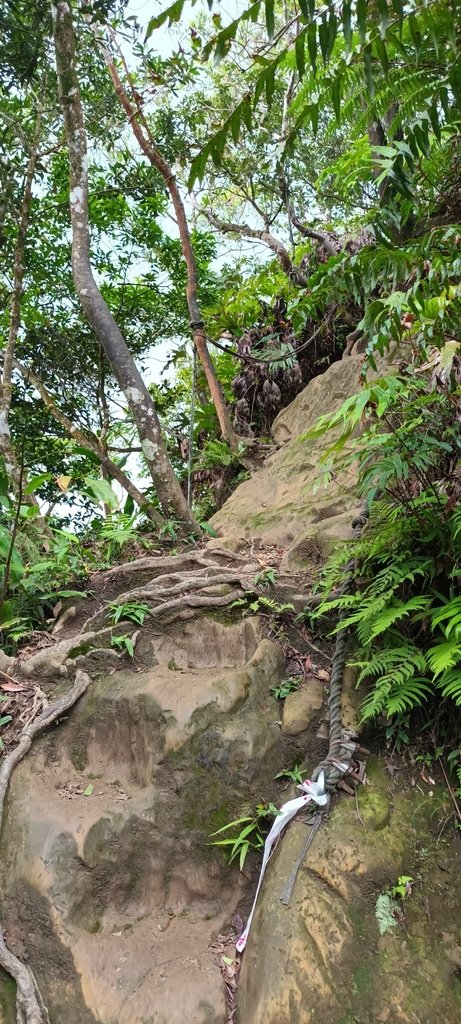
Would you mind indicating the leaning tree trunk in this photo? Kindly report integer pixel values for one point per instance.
(100, 318)
(142, 133)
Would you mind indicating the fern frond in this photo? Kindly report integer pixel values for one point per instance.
(412, 695)
(450, 685)
(398, 611)
(444, 656)
(398, 663)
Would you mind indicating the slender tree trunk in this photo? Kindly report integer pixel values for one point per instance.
(143, 135)
(100, 318)
(14, 472)
(90, 441)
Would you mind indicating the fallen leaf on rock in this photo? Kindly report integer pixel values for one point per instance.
(14, 687)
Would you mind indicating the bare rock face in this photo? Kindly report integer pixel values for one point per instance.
(282, 502)
(301, 707)
(278, 503)
(111, 889)
(322, 960)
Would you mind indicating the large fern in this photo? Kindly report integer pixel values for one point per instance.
(405, 607)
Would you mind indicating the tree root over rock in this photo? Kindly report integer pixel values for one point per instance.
(30, 1008)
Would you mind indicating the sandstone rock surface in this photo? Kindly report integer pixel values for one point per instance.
(301, 707)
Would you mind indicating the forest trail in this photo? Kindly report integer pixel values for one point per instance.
(113, 894)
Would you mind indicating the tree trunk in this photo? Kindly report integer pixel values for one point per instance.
(14, 472)
(100, 318)
(144, 138)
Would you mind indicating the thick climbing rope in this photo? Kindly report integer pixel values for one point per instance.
(341, 760)
(338, 752)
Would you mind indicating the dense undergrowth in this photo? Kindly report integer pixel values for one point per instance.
(404, 605)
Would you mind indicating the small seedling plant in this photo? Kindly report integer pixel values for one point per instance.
(286, 687)
(124, 644)
(250, 837)
(266, 578)
(296, 774)
(389, 909)
(263, 605)
(135, 611)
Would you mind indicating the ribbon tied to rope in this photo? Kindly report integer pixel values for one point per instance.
(313, 792)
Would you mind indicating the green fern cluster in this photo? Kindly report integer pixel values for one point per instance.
(405, 606)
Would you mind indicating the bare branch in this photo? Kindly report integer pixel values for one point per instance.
(293, 272)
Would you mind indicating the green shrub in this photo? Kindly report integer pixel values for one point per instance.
(405, 602)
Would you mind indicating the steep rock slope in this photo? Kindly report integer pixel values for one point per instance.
(279, 503)
(110, 890)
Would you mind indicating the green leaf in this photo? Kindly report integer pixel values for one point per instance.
(332, 32)
(16, 564)
(455, 80)
(415, 32)
(312, 45)
(270, 20)
(208, 529)
(300, 52)
(324, 37)
(238, 821)
(172, 14)
(270, 85)
(243, 852)
(102, 490)
(382, 55)
(336, 97)
(346, 18)
(5, 719)
(434, 119)
(368, 67)
(314, 112)
(361, 15)
(89, 790)
(35, 482)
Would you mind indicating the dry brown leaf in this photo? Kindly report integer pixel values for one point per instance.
(14, 687)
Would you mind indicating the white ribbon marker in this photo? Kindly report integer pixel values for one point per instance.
(313, 791)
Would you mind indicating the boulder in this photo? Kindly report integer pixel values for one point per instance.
(302, 707)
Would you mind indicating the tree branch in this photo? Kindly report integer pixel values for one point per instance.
(293, 272)
(87, 440)
(143, 135)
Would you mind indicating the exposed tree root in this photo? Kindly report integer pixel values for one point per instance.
(170, 585)
(184, 561)
(30, 1008)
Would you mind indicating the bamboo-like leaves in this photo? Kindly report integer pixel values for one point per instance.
(369, 42)
(171, 14)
